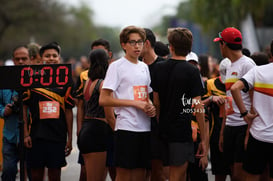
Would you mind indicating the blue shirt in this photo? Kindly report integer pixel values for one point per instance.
(11, 127)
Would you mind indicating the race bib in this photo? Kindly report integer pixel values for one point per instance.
(195, 130)
(140, 93)
(228, 106)
(49, 109)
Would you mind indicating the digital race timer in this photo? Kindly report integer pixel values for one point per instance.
(34, 76)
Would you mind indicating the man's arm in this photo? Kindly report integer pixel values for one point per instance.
(110, 116)
(236, 94)
(106, 99)
(156, 104)
(80, 114)
(69, 124)
(221, 136)
(27, 138)
(203, 163)
(201, 123)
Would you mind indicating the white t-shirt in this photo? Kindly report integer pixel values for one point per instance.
(261, 79)
(234, 72)
(129, 81)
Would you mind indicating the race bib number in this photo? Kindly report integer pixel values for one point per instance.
(228, 106)
(49, 109)
(141, 93)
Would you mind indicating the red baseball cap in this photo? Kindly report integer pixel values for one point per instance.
(230, 35)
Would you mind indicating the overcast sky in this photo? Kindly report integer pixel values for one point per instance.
(127, 12)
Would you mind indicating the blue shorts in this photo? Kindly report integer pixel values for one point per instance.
(46, 153)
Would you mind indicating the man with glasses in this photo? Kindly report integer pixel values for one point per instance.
(235, 128)
(128, 79)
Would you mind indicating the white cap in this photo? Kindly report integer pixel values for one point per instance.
(192, 56)
(224, 64)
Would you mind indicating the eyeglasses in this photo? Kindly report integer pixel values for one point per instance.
(134, 42)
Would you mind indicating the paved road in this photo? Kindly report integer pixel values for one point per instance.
(72, 171)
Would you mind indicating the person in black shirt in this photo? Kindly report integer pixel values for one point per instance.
(177, 94)
(49, 140)
(149, 57)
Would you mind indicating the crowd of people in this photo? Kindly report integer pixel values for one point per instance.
(160, 112)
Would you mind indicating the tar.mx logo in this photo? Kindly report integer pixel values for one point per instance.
(189, 101)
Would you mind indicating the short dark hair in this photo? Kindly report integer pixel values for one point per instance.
(52, 45)
(260, 58)
(246, 52)
(181, 40)
(232, 46)
(161, 49)
(204, 65)
(98, 64)
(150, 36)
(18, 47)
(101, 42)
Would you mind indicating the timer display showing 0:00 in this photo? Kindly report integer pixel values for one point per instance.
(30, 73)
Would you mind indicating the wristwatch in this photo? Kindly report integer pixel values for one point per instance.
(244, 114)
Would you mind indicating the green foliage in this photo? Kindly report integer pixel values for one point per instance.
(79, 33)
(215, 14)
(21, 21)
(111, 34)
(44, 21)
(161, 29)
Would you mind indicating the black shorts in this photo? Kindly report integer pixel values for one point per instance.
(218, 165)
(110, 148)
(45, 153)
(132, 149)
(234, 137)
(195, 172)
(93, 136)
(156, 143)
(178, 153)
(258, 156)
